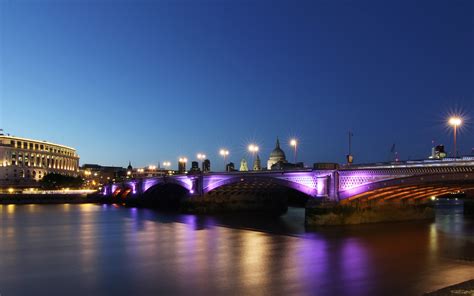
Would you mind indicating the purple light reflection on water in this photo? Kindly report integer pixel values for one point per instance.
(145, 252)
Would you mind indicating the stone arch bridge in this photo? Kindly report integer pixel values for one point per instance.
(347, 185)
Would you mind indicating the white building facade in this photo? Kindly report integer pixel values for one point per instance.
(23, 162)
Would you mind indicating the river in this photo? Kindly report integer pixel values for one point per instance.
(90, 249)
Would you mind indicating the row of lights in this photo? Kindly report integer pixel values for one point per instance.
(252, 148)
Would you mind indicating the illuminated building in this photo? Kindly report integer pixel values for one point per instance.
(277, 156)
(256, 164)
(206, 166)
(243, 165)
(23, 162)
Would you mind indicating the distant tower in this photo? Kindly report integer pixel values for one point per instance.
(129, 169)
(181, 167)
(256, 164)
(243, 165)
(194, 166)
(206, 166)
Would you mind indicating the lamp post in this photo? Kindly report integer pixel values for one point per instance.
(455, 121)
(224, 153)
(166, 165)
(201, 157)
(294, 144)
(182, 165)
(253, 149)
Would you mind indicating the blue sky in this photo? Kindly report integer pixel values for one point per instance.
(150, 81)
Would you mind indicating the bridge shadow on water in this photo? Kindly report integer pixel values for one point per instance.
(450, 221)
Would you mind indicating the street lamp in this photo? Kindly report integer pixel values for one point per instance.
(224, 153)
(294, 144)
(253, 149)
(182, 164)
(166, 165)
(455, 121)
(201, 157)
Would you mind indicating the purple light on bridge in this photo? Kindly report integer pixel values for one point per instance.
(134, 187)
(321, 186)
(149, 183)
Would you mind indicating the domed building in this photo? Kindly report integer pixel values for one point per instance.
(277, 156)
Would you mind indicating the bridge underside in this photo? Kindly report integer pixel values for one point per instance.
(408, 193)
(252, 187)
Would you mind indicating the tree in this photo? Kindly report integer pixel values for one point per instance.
(58, 181)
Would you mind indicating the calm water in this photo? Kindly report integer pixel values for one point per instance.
(97, 250)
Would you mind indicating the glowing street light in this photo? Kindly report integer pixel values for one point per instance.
(182, 165)
(201, 157)
(166, 164)
(455, 121)
(294, 144)
(224, 153)
(253, 149)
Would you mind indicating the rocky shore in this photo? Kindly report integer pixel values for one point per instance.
(331, 213)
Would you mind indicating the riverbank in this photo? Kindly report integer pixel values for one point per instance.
(464, 288)
(44, 198)
(331, 214)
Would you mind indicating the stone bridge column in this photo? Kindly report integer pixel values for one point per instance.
(333, 193)
(139, 187)
(197, 185)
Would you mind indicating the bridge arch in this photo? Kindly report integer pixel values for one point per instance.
(259, 181)
(409, 189)
(166, 193)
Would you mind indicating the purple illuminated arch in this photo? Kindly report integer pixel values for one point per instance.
(218, 181)
(182, 181)
(419, 180)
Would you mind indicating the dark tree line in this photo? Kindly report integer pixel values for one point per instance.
(58, 181)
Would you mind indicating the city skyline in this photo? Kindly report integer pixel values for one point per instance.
(152, 81)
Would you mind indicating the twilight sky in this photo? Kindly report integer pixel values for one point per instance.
(150, 81)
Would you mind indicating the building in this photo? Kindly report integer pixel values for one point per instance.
(257, 164)
(195, 167)
(206, 166)
(23, 162)
(277, 156)
(438, 152)
(96, 175)
(243, 165)
(181, 167)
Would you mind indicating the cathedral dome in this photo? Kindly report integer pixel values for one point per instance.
(277, 155)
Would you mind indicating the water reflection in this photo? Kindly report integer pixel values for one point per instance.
(91, 249)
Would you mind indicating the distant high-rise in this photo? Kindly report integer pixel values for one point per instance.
(195, 166)
(206, 166)
(181, 167)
